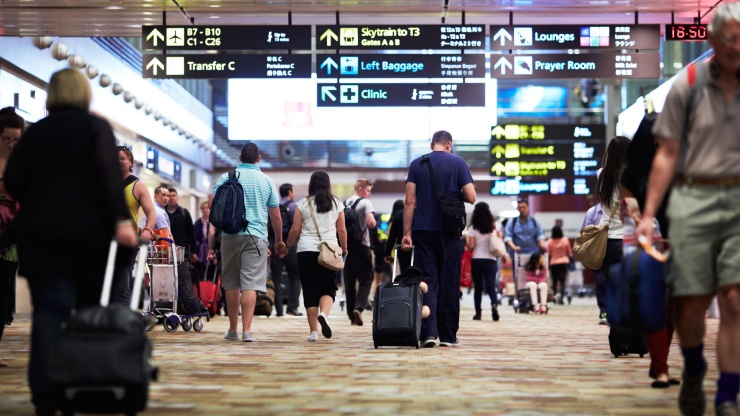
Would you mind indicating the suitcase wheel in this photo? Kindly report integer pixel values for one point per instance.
(187, 324)
(642, 355)
(376, 346)
(198, 325)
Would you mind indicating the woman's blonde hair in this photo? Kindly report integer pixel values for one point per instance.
(68, 88)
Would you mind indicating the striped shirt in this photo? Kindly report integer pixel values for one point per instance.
(259, 194)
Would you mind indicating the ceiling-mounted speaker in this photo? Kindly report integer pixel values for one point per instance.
(77, 61)
(43, 42)
(105, 81)
(91, 71)
(60, 52)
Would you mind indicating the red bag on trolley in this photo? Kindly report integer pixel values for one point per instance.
(210, 289)
(466, 273)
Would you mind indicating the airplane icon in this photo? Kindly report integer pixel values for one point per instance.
(175, 36)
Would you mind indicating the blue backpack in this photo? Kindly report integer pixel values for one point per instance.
(227, 209)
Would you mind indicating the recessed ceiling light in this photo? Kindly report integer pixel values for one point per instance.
(215, 17)
(215, 5)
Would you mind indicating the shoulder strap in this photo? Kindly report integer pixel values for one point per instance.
(354, 206)
(425, 160)
(697, 78)
(129, 180)
(315, 224)
(233, 174)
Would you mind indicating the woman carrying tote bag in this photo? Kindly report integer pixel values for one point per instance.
(607, 189)
(484, 264)
(320, 208)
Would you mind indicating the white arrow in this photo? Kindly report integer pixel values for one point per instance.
(328, 63)
(156, 64)
(157, 34)
(503, 34)
(503, 63)
(326, 91)
(329, 34)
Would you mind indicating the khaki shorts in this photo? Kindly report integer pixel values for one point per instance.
(243, 267)
(704, 231)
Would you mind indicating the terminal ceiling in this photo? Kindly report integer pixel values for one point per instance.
(125, 17)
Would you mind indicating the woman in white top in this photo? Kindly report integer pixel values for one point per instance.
(319, 284)
(484, 265)
(607, 189)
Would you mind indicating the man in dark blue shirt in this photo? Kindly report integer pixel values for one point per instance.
(437, 256)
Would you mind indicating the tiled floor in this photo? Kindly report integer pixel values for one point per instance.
(522, 365)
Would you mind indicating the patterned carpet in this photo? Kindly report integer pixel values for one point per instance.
(522, 365)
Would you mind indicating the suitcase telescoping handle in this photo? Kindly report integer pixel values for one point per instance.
(110, 266)
(395, 257)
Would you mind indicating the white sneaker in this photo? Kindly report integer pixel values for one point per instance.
(313, 337)
(247, 337)
(325, 328)
(231, 335)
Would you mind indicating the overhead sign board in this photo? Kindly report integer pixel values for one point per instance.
(550, 132)
(226, 37)
(564, 65)
(579, 149)
(401, 37)
(553, 186)
(401, 95)
(226, 66)
(545, 158)
(401, 66)
(563, 37)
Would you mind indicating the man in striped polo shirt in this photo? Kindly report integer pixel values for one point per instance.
(244, 254)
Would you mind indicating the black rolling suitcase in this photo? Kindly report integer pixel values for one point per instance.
(625, 340)
(397, 309)
(101, 362)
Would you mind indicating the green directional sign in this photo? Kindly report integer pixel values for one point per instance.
(226, 66)
(399, 37)
(401, 95)
(226, 37)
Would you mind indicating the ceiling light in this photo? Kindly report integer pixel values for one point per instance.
(42, 42)
(104, 81)
(117, 88)
(92, 71)
(60, 51)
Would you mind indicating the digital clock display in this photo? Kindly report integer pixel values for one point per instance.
(687, 32)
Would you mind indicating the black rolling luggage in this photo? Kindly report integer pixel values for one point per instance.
(397, 309)
(625, 340)
(101, 362)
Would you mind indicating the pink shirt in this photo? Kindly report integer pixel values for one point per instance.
(538, 277)
(559, 250)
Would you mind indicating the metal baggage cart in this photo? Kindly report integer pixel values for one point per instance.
(162, 262)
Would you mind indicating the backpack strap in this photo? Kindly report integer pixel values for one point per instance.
(697, 79)
(354, 208)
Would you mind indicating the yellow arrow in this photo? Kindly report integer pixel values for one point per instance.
(498, 168)
(329, 35)
(498, 131)
(498, 151)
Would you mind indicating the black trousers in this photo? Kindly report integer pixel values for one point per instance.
(293, 284)
(7, 291)
(358, 278)
(613, 256)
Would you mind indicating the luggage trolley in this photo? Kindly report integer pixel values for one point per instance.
(162, 261)
(522, 302)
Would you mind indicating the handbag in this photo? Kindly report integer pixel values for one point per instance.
(496, 245)
(330, 254)
(590, 245)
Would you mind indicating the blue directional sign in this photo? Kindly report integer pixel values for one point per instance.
(401, 66)
(401, 95)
